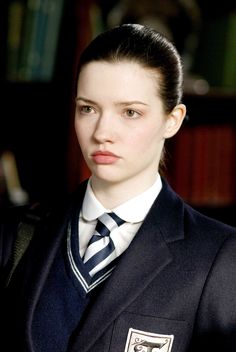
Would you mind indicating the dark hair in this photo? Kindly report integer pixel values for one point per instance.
(141, 44)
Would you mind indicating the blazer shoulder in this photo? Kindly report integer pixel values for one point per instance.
(178, 216)
(194, 239)
(208, 226)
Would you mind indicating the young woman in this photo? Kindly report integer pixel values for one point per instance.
(158, 276)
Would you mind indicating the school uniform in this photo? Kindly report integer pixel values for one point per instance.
(172, 289)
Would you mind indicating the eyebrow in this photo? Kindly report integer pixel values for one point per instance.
(125, 103)
(85, 100)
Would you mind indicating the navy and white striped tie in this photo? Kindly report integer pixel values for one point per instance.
(101, 250)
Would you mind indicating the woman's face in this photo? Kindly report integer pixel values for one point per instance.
(120, 123)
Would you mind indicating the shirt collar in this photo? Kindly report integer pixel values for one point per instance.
(133, 211)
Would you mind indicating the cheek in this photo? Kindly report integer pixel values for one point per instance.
(146, 138)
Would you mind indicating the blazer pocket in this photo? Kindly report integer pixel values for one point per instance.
(133, 332)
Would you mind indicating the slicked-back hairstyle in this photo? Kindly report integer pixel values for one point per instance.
(143, 45)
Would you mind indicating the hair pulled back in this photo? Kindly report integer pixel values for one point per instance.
(143, 45)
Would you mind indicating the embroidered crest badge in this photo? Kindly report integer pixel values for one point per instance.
(141, 341)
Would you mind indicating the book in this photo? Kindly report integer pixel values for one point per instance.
(38, 44)
(16, 12)
(29, 25)
(182, 162)
(226, 166)
(33, 55)
(33, 39)
(52, 31)
(200, 165)
(204, 165)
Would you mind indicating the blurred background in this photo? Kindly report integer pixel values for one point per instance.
(40, 43)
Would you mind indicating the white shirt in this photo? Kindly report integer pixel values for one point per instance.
(133, 212)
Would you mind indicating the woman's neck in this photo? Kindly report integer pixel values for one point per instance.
(111, 195)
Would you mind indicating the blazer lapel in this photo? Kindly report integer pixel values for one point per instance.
(145, 258)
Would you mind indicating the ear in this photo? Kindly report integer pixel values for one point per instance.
(174, 120)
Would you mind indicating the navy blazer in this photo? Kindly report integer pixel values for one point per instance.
(174, 289)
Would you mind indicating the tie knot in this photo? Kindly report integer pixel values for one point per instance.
(107, 222)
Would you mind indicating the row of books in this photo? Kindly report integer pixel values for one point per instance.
(32, 39)
(204, 160)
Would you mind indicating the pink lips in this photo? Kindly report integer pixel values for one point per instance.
(104, 158)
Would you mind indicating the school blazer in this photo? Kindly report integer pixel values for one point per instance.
(174, 289)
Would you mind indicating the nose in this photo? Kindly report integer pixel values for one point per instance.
(104, 129)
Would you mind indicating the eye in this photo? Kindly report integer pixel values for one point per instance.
(86, 109)
(132, 113)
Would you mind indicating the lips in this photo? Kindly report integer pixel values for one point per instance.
(104, 157)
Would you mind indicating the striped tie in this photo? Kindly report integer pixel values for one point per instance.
(101, 250)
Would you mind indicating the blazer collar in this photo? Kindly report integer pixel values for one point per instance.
(145, 258)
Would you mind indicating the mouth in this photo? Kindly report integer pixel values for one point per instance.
(104, 157)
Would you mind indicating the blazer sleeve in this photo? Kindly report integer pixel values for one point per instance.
(9, 221)
(215, 328)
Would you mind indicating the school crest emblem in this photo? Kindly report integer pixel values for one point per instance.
(141, 341)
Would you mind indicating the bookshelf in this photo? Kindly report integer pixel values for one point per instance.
(36, 110)
(202, 162)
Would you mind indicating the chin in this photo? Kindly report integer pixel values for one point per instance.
(106, 177)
